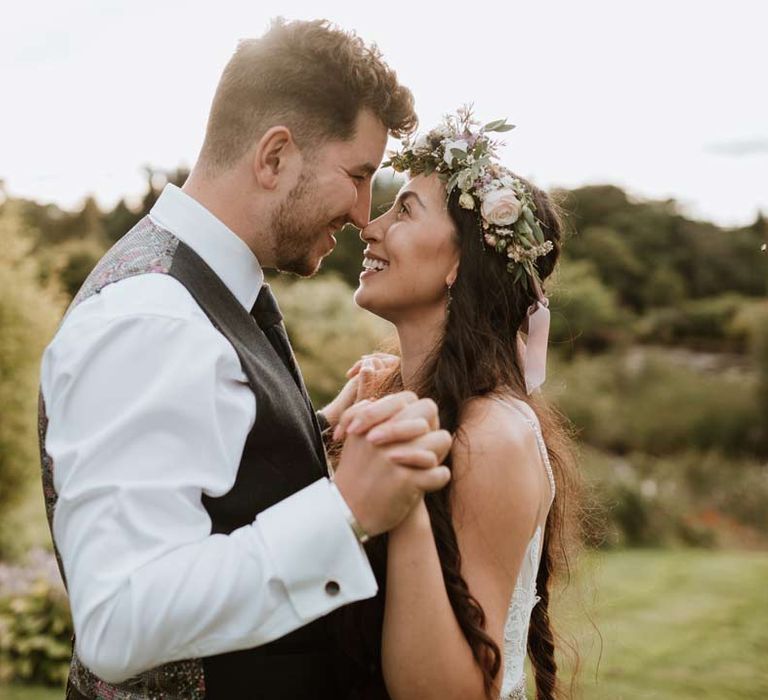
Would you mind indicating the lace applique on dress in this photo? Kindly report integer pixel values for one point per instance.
(518, 618)
(524, 596)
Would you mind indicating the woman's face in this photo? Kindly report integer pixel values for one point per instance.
(412, 255)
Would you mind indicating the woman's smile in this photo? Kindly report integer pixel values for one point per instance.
(372, 264)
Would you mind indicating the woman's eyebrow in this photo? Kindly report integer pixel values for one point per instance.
(409, 194)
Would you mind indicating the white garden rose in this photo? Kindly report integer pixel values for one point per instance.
(501, 207)
(459, 145)
(467, 200)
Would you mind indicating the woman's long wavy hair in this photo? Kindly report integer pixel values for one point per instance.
(476, 357)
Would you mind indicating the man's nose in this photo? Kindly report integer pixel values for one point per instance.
(361, 213)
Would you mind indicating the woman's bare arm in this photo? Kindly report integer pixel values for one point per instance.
(498, 486)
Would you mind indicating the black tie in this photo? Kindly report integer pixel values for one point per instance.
(267, 314)
(270, 320)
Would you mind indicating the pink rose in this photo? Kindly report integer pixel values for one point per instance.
(501, 207)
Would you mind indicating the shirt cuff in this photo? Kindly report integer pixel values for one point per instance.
(315, 552)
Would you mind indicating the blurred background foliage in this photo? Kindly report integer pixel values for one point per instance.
(659, 356)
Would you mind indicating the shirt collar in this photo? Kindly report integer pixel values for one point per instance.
(222, 249)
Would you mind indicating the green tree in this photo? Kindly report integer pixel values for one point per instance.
(77, 265)
(157, 179)
(89, 221)
(585, 313)
(760, 353)
(119, 221)
(595, 205)
(614, 261)
(29, 314)
(664, 287)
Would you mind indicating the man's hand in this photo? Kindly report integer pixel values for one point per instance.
(383, 475)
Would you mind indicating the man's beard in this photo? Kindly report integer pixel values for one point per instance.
(296, 226)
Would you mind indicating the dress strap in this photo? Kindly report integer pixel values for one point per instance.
(532, 419)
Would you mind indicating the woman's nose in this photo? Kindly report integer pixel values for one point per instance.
(373, 231)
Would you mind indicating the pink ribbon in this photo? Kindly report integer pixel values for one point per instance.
(533, 352)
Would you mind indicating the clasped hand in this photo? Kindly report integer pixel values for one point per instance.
(393, 453)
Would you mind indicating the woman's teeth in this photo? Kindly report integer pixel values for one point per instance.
(374, 264)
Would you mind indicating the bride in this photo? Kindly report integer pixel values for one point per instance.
(457, 265)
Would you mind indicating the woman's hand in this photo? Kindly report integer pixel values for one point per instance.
(364, 376)
(380, 360)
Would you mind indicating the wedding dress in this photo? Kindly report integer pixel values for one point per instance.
(524, 597)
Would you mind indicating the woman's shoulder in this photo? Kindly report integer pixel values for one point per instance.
(497, 421)
(496, 455)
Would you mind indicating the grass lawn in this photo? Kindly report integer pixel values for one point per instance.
(675, 625)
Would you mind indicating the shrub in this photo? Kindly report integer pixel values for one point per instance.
(719, 323)
(695, 498)
(634, 509)
(35, 624)
(644, 401)
(328, 331)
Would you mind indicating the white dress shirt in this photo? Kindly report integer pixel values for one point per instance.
(148, 410)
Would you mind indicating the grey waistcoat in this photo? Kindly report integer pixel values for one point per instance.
(283, 453)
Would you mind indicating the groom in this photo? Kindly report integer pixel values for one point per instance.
(203, 545)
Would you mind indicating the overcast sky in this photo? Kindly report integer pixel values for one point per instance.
(664, 98)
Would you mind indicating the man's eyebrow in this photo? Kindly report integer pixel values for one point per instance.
(409, 194)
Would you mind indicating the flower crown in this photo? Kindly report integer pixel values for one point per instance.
(463, 156)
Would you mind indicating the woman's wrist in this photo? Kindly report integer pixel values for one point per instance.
(416, 521)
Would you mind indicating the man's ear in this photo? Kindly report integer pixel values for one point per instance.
(272, 156)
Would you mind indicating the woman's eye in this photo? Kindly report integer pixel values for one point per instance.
(403, 209)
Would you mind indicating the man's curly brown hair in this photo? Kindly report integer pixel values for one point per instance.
(310, 76)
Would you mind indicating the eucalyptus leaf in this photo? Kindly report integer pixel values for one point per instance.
(505, 127)
(523, 278)
(494, 125)
(537, 232)
(525, 241)
(528, 215)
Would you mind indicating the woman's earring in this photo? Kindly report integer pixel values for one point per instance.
(450, 298)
